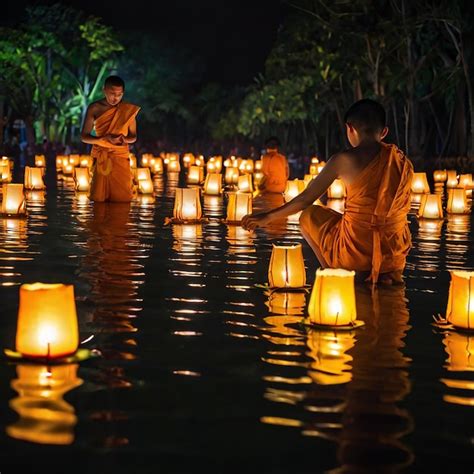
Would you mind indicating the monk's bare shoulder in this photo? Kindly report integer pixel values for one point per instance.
(343, 161)
(95, 108)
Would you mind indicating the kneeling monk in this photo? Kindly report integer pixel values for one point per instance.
(372, 236)
(115, 127)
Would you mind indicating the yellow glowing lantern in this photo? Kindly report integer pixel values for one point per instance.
(430, 207)
(465, 181)
(47, 321)
(132, 160)
(74, 160)
(293, 188)
(173, 167)
(258, 178)
(86, 161)
(146, 158)
(440, 176)
(320, 166)
(40, 161)
(231, 175)
(249, 166)
(157, 167)
(59, 162)
(331, 363)
(286, 269)
(33, 178)
(188, 160)
(187, 204)
(313, 170)
(199, 161)
(238, 206)
(451, 178)
(13, 202)
(314, 160)
(213, 184)
(145, 186)
(195, 175)
(143, 174)
(337, 190)
(5, 172)
(307, 179)
(244, 183)
(457, 201)
(332, 300)
(258, 165)
(419, 184)
(460, 309)
(35, 197)
(82, 179)
(45, 417)
(337, 205)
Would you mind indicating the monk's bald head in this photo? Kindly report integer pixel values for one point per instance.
(114, 81)
(114, 88)
(367, 116)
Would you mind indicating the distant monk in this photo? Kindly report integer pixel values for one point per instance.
(274, 168)
(372, 236)
(115, 127)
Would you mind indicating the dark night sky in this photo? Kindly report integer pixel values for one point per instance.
(233, 37)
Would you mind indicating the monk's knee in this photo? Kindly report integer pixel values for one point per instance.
(305, 218)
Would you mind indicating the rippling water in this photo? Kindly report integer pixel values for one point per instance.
(204, 370)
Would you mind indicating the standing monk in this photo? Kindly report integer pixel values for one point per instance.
(372, 236)
(275, 168)
(115, 127)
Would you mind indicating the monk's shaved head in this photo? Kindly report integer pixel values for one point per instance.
(367, 116)
(114, 81)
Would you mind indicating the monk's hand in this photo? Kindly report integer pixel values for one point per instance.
(252, 221)
(113, 139)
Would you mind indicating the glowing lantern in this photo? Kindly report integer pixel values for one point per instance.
(187, 204)
(320, 166)
(337, 205)
(258, 165)
(457, 201)
(238, 206)
(460, 309)
(430, 207)
(5, 171)
(231, 175)
(257, 178)
(143, 174)
(188, 160)
(332, 300)
(213, 184)
(59, 162)
(293, 188)
(47, 321)
(146, 159)
(286, 269)
(133, 160)
(45, 417)
(68, 169)
(174, 166)
(313, 170)
(465, 182)
(82, 179)
(40, 161)
(86, 161)
(13, 202)
(157, 167)
(337, 190)
(419, 184)
(195, 175)
(451, 179)
(314, 160)
(145, 186)
(33, 178)
(440, 176)
(331, 363)
(244, 183)
(307, 179)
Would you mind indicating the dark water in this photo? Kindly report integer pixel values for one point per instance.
(203, 371)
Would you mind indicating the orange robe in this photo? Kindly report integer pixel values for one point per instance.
(276, 171)
(112, 178)
(372, 235)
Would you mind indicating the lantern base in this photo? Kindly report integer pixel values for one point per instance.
(442, 323)
(172, 220)
(347, 327)
(79, 356)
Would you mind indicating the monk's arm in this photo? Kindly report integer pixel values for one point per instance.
(315, 189)
(87, 127)
(132, 133)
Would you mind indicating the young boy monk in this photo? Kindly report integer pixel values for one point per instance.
(275, 168)
(115, 127)
(372, 236)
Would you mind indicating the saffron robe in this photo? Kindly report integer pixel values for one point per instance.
(276, 171)
(372, 235)
(112, 178)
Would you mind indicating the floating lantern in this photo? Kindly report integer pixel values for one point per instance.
(82, 179)
(35, 197)
(293, 188)
(45, 417)
(313, 170)
(440, 176)
(457, 201)
(40, 161)
(173, 167)
(86, 161)
(231, 175)
(145, 186)
(213, 184)
(5, 171)
(465, 182)
(238, 206)
(286, 269)
(332, 301)
(337, 190)
(146, 159)
(320, 166)
(187, 205)
(257, 178)
(13, 202)
(244, 183)
(307, 179)
(34, 178)
(419, 184)
(188, 160)
(132, 160)
(337, 205)
(430, 207)
(157, 167)
(451, 178)
(47, 321)
(460, 309)
(195, 175)
(258, 165)
(74, 160)
(314, 160)
(331, 363)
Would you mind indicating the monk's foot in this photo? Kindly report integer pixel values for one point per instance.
(391, 278)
